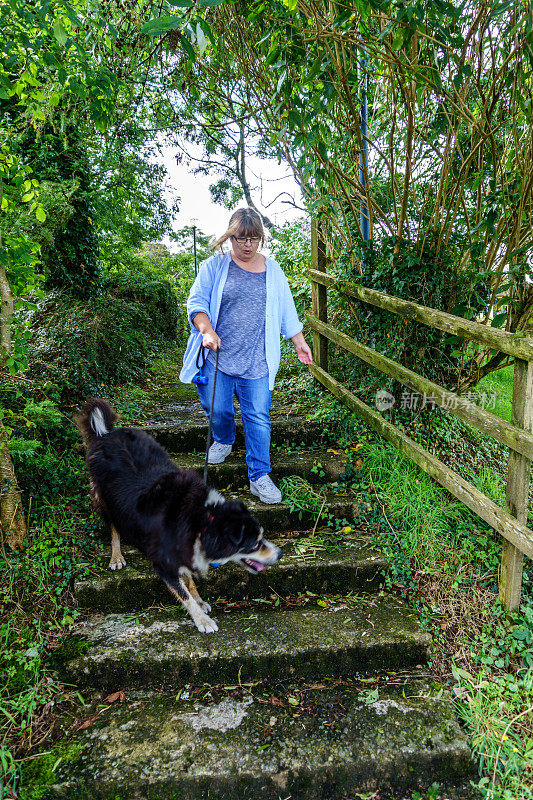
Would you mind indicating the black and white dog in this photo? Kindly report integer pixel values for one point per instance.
(167, 513)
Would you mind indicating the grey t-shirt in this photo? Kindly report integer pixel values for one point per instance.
(241, 324)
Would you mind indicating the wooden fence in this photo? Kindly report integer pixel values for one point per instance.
(511, 521)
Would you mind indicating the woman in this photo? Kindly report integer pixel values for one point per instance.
(241, 302)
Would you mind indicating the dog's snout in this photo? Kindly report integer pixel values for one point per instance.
(275, 552)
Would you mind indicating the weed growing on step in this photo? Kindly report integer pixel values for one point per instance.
(317, 546)
(302, 497)
(307, 500)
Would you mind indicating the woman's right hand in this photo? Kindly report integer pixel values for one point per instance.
(211, 340)
(202, 323)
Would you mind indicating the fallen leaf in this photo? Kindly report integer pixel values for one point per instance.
(275, 701)
(115, 696)
(294, 701)
(88, 722)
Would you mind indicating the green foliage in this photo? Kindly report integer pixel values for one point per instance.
(35, 584)
(291, 247)
(500, 384)
(71, 257)
(431, 276)
(414, 501)
(40, 773)
(50, 50)
(41, 443)
(153, 295)
(424, 532)
(133, 204)
(84, 346)
(225, 193)
(35, 611)
(301, 496)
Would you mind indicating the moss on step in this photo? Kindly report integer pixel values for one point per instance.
(164, 647)
(72, 646)
(40, 774)
(186, 430)
(330, 743)
(352, 566)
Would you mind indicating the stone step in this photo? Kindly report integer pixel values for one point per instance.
(348, 565)
(163, 647)
(186, 431)
(287, 741)
(316, 466)
(281, 517)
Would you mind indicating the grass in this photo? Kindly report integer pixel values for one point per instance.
(413, 501)
(498, 386)
(446, 561)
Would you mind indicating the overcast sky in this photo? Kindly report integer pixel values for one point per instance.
(267, 179)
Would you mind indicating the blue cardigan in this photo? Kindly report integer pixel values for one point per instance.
(206, 296)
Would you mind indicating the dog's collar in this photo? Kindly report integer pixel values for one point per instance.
(211, 518)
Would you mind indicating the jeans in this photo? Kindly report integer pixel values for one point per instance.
(255, 399)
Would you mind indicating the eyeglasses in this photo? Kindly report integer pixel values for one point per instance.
(244, 239)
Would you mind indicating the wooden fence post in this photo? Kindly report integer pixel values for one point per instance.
(518, 476)
(319, 296)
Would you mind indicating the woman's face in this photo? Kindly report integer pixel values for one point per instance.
(244, 247)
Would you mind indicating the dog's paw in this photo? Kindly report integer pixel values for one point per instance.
(204, 606)
(206, 625)
(117, 562)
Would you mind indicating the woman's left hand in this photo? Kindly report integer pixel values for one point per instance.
(303, 350)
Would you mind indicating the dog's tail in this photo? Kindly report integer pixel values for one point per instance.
(96, 418)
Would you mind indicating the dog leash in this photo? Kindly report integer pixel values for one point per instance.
(210, 426)
(201, 378)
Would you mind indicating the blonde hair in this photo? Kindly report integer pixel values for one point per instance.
(243, 222)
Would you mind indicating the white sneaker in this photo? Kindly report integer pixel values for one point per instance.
(265, 490)
(218, 453)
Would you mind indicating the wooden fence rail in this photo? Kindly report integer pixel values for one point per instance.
(510, 522)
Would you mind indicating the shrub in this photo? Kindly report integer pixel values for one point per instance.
(291, 247)
(435, 277)
(86, 346)
(152, 294)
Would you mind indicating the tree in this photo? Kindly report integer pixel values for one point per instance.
(71, 259)
(207, 104)
(70, 68)
(450, 142)
(45, 64)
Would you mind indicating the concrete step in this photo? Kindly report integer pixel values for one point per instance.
(281, 517)
(316, 466)
(163, 647)
(348, 565)
(303, 742)
(185, 430)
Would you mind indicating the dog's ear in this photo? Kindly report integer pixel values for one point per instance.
(158, 495)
